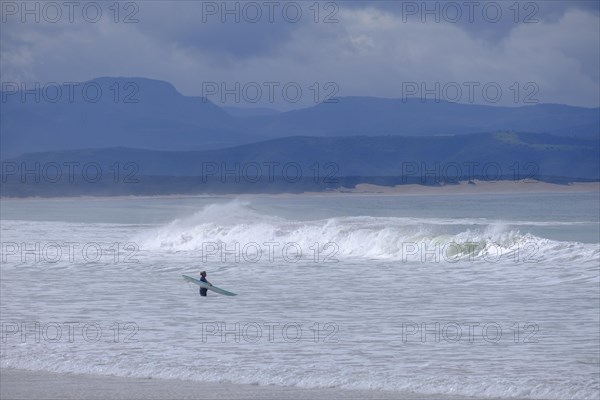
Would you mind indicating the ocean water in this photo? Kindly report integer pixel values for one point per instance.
(487, 295)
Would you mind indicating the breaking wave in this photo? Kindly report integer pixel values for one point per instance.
(384, 238)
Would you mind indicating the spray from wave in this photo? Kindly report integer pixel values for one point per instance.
(220, 230)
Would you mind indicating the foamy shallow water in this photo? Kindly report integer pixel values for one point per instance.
(433, 295)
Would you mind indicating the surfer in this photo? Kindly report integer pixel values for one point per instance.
(203, 291)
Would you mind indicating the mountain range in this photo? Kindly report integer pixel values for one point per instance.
(149, 114)
(144, 137)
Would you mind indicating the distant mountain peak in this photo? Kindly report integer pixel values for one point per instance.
(149, 113)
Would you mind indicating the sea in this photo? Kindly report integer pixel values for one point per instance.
(476, 295)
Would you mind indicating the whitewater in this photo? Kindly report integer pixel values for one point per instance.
(475, 295)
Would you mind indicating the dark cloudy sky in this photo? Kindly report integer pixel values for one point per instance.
(548, 50)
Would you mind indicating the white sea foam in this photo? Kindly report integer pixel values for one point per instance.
(391, 238)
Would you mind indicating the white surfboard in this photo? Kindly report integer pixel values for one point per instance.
(207, 286)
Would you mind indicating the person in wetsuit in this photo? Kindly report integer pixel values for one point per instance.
(204, 291)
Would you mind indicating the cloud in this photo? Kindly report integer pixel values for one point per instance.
(372, 50)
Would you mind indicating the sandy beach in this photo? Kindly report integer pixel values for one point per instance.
(476, 187)
(461, 188)
(26, 385)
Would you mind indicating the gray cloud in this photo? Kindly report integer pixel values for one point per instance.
(373, 49)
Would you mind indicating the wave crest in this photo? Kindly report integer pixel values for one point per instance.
(388, 238)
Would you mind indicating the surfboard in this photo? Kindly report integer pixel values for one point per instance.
(207, 286)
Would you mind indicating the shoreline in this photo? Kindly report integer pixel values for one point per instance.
(42, 385)
(476, 188)
(461, 188)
